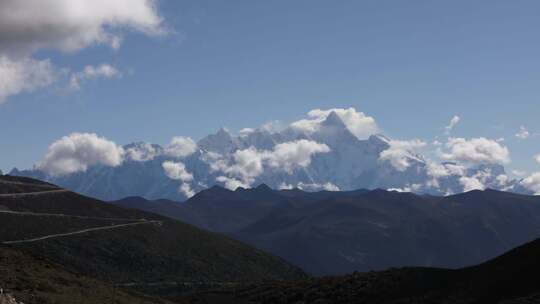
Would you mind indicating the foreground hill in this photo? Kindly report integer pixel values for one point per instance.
(509, 279)
(124, 246)
(329, 233)
(33, 280)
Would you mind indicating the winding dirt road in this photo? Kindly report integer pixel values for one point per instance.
(81, 232)
(33, 193)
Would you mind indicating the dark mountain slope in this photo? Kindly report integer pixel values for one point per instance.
(340, 232)
(150, 249)
(511, 278)
(34, 280)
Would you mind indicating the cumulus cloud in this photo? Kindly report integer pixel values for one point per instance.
(532, 183)
(438, 171)
(66, 25)
(401, 153)
(298, 153)
(181, 147)
(361, 125)
(453, 123)
(71, 25)
(247, 164)
(444, 170)
(178, 171)
(476, 151)
(537, 158)
(77, 151)
(523, 133)
(104, 70)
(24, 75)
(471, 183)
(142, 152)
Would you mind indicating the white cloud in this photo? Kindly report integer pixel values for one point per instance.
(537, 158)
(66, 25)
(471, 183)
(247, 164)
(285, 186)
(437, 171)
(272, 126)
(77, 151)
(519, 173)
(71, 25)
(181, 147)
(407, 188)
(178, 171)
(24, 75)
(311, 187)
(185, 188)
(523, 133)
(532, 183)
(401, 153)
(104, 70)
(246, 131)
(476, 151)
(317, 187)
(290, 155)
(231, 183)
(453, 123)
(502, 180)
(443, 170)
(142, 152)
(361, 125)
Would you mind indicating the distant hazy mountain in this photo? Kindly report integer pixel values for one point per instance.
(340, 232)
(342, 162)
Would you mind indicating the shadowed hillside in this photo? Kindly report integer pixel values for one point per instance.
(510, 278)
(128, 247)
(33, 280)
(329, 233)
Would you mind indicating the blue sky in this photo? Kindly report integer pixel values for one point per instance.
(412, 65)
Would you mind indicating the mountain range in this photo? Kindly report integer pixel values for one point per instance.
(338, 232)
(326, 156)
(57, 246)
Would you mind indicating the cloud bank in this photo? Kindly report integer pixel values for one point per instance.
(247, 164)
(77, 151)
